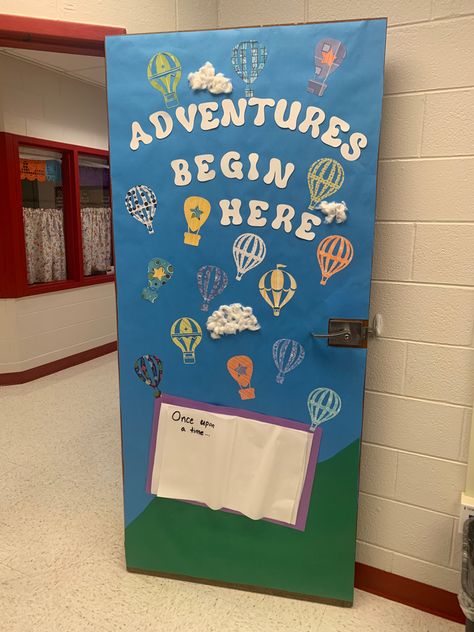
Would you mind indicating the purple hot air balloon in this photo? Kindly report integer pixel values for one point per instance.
(212, 281)
(149, 369)
(287, 355)
(328, 56)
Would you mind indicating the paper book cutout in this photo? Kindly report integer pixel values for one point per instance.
(233, 460)
(196, 212)
(287, 355)
(323, 404)
(325, 177)
(140, 202)
(186, 334)
(328, 57)
(241, 369)
(248, 60)
(211, 281)
(231, 319)
(249, 251)
(277, 288)
(160, 272)
(334, 253)
(164, 73)
(149, 369)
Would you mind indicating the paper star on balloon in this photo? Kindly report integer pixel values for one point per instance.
(241, 369)
(196, 212)
(159, 273)
(328, 57)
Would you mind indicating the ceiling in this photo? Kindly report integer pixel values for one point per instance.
(82, 67)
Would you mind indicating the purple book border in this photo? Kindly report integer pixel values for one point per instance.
(300, 524)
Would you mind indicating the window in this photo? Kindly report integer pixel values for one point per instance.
(57, 216)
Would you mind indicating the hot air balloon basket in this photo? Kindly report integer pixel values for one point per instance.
(189, 357)
(205, 307)
(171, 100)
(247, 393)
(248, 92)
(192, 239)
(316, 88)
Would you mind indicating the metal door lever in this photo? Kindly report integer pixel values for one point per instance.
(345, 333)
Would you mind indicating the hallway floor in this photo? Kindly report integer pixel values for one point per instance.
(61, 554)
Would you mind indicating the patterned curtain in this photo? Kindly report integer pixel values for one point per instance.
(96, 240)
(45, 249)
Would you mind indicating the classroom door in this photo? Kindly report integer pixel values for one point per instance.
(243, 202)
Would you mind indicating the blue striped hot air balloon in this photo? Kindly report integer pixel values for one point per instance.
(248, 60)
(212, 281)
(323, 404)
(149, 369)
(287, 355)
(140, 202)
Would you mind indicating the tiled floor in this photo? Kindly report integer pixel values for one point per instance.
(61, 558)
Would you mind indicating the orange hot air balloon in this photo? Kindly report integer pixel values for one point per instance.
(241, 369)
(277, 287)
(334, 254)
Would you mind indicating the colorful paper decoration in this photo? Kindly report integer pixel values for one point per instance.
(164, 73)
(277, 287)
(33, 170)
(196, 212)
(334, 254)
(186, 334)
(241, 369)
(325, 177)
(249, 251)
(160, 272)
(248, 60)
(212, 281)
(287, 355)
(323, 404)
(140, 202)
(149, 369)
(328, 56)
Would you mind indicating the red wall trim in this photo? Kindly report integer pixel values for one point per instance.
(409, 592)
(54, 35)
(20, 377)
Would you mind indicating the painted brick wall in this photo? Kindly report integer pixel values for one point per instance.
(420, 374)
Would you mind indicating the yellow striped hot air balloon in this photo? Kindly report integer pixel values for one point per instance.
(277, 288)
(334, 254)
(325, 177)
(164, 73)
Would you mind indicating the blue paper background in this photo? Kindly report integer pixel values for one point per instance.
(354, 94)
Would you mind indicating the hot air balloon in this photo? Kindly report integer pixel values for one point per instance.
(149, 369)
(241, 369)
(249, 251)
(287, 355)
(186, 334)
(140, 202)
(212, 281)
(196, 212)
(277, 288)
(323, 405)
(164, 73)
(325, 177)
(334, 254)
(160, 272)
(248, 60)
(328, 56)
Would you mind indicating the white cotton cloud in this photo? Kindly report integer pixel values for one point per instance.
(231, 319)
(333, 211)
(206, 79)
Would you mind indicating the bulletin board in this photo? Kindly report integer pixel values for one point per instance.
(243, 166)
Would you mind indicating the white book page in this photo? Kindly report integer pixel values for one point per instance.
(250, 466)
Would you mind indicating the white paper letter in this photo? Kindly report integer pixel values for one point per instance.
(204, 173)
(155, 121)
(187, 123)
(230, 212)
(304, 229)
(255, 217)
(274, 173)
(206, 109)
(313, 119)
(182, 175)
(261, 105)
(139, 136)
(253, 171)
(357, 142)
(233, 170)
(336, 125)
(284, 215)
(280, 110)
(229, 113)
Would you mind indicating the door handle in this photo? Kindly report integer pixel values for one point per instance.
(344, 333)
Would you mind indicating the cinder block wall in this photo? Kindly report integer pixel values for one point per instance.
(420, 374)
